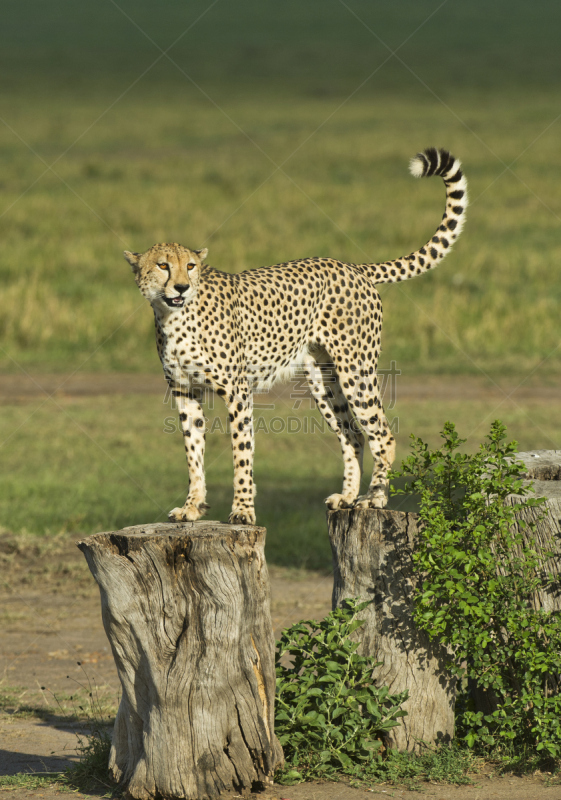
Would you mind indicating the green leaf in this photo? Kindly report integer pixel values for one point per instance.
(329, 711)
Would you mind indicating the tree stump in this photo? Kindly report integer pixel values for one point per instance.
(186, 611)
(544, 472)
(372, 561)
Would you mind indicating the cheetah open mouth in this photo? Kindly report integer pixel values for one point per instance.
(175, 302)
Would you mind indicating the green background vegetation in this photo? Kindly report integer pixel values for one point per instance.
(90, 464)
(265, 131)
(272, 131)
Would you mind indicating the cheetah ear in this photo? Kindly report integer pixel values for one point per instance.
(202, 253)
(133, 259)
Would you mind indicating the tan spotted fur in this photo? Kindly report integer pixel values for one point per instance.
(238, 333)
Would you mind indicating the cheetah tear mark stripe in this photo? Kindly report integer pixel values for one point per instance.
(424, 165)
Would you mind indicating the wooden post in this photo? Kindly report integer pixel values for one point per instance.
(372, 560)
(186, 610)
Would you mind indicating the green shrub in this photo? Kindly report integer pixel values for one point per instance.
(479, 572)
(330, 716)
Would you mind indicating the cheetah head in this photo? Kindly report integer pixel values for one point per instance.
(167, 274)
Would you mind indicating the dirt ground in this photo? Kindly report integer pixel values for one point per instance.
(484, 789)
(53, 650)
(83, 384)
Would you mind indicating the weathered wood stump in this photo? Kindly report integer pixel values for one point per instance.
(186, 611)
(372, 560)
(544, 472)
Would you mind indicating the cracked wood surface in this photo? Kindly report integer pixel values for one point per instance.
(372, 561)
(186, 610)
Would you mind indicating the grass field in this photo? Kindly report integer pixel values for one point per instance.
(492, 305)
(276, 133)
(91, 464)
(266, 132)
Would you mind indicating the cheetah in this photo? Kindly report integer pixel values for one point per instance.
(238, 334)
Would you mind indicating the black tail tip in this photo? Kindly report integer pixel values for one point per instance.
(431, 161)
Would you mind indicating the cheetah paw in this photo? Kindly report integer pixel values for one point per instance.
(336, 501)
(242, 517)
(188, 513)
(371, 501)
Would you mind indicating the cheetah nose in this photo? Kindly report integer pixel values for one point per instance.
(181, 287)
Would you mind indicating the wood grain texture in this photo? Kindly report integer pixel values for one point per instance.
(372, 560)
(544, 473)
(186, 610)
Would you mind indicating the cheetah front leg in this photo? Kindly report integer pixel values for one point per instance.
(193, 426)
(240, 409)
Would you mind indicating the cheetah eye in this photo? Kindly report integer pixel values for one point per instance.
(191, 264)
(164, 266)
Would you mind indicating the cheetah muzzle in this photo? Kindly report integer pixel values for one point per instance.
(240, 333)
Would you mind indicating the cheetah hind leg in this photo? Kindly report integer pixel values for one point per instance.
(326, 390)
(352, 446)
(242, 517)
(382, 446)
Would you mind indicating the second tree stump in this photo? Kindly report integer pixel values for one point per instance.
(372, 551)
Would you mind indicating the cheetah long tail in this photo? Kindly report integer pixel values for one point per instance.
(423, 165)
